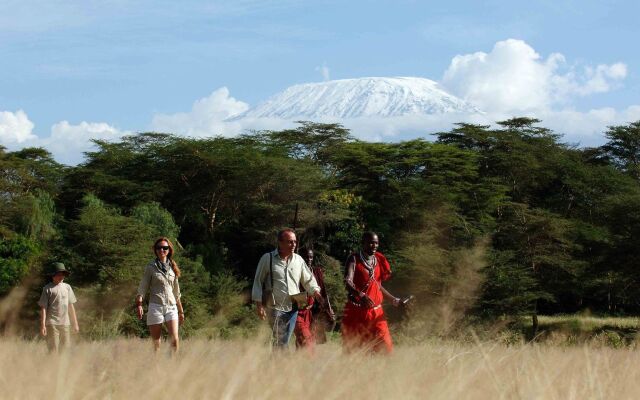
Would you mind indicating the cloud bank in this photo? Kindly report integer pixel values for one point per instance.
(66, 142)
(512, 79)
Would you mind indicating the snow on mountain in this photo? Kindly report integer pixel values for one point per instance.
(361, 97)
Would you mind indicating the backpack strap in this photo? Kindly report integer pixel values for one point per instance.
(271, 269)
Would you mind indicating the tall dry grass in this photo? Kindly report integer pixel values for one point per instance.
(128, 369)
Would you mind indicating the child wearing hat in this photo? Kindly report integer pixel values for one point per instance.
(56, 306)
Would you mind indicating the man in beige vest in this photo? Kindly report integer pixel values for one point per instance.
(280, 273)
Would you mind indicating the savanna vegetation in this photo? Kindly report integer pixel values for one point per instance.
(242, 369)
(482, 224)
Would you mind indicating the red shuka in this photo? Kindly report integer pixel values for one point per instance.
(303, 330)
(304, 336)
(363, 326)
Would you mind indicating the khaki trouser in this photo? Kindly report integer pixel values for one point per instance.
(58, 337)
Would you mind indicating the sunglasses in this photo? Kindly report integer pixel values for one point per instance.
(165, 248)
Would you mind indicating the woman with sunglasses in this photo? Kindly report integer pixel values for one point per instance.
(160, 280)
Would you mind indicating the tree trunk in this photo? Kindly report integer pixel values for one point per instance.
(534, 325)
(609, 302)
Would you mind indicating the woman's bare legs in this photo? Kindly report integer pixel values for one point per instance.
(172, 327)
(156, 333)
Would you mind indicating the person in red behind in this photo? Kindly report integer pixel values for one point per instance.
(364, 324)
(311, 321)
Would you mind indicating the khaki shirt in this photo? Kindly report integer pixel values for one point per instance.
(287, 277)
(163, 287)
(55, 299)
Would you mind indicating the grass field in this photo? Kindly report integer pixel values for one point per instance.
(575, 329)
(128, 369)
(590, 322)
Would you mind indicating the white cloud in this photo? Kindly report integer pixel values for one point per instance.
(15, 127)
(68, 142)
(601, 78)
(587, 128)
(205, 118)
(324, 71)
(64, 131)
(513, 77)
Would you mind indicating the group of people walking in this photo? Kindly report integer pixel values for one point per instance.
(282, 275)
(288, 291)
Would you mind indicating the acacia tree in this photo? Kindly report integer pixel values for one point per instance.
(536, 247)
(312, 141)
(623, 148)
(29, 182)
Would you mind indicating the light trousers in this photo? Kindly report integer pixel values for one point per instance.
(58, 337)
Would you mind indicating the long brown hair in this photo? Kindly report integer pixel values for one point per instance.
(174, 266)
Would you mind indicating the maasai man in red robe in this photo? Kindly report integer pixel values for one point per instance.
(323, 318)
(364, 323)
(309, 318)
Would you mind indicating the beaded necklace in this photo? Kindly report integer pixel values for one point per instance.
(369, 262)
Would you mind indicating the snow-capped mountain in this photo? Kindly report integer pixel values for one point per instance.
(361, 97)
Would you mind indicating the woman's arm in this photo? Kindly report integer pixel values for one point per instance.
(180, 311)
(139, 309)
(143, 288)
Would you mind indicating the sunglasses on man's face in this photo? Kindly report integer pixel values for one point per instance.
(165, 248)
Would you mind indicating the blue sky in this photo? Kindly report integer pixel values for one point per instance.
(71, 70)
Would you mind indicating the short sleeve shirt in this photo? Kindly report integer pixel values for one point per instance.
(56, 299)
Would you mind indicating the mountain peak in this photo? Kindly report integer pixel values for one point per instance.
(361, 97)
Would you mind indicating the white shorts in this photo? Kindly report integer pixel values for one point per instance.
(158, 313)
